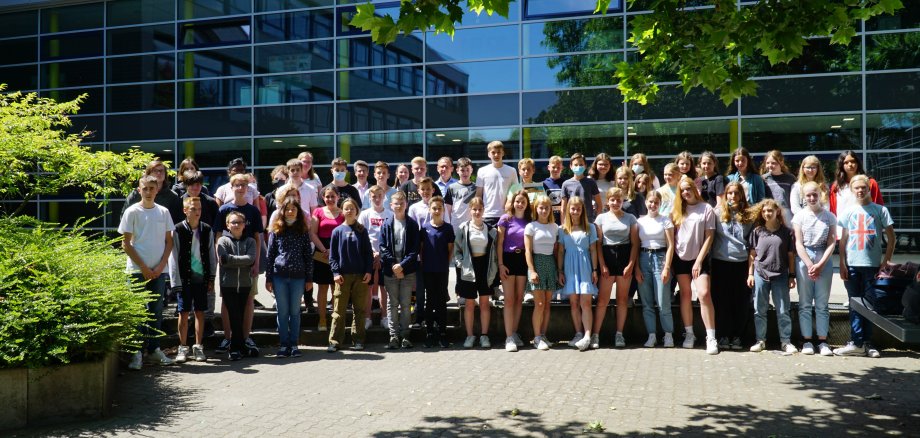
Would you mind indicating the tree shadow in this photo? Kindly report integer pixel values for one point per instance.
(507, 423)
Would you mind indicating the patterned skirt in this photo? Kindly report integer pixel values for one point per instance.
(546, 270)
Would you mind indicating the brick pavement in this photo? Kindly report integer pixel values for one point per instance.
(530, 393)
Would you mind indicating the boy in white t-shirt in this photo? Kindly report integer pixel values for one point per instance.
(493, 182)
(373, 219)
(308, 195)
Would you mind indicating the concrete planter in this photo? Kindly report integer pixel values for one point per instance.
(57, 394)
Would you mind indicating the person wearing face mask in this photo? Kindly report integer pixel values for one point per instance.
(639, 165)
(584, 188)
(339, 172)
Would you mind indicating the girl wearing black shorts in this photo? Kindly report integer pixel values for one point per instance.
(619, 249)
(511, 264)
(475, 256)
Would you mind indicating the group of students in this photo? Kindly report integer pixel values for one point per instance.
(732, 239)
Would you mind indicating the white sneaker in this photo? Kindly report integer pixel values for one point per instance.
(850, 349)
(542, 345)
(575, 339)
(595, 341)
(182, 355)
(385, 322)
(159, 358)
(137, 361)
(528, 297)
(825, 350)
(584, 343)
(788, 348)
(619, 341)
(484, 341)
(198, 353)
(469, 342)
(368, 323)
(758, 347)
(517, 339)
(712, 345)
(808, 349)
(652, 340)
(510, 346)
(872, 352)
(689, 340)
(668, 341)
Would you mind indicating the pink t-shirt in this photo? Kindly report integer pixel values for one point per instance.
(326, 225)
(692, 231)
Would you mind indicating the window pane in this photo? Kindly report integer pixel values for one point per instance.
(673, 103)
(821, 133)
(20, 78)
(473, 77)
(314, 55)
(803, 95)
(72, 45)
(477, 43)
(561, 8)
(127, 40)
(125, 12)
(362, 52)
(906, 18)
(215, 93)
(471, 18)
(903, 208)
(670, 138)
(215, 33)
(274, 151)
(471, 143)
(380, 115)
(149, 126)
(142, 97)
(462, 111)
(69, 18)
(72, 212)
(294, 119)
(819, 56)
(91, 124)
(19, 24)
(19, 51)
(71, 74)
(392, 147)
(898, 170)
(191, 9)
(380, 83)
(277, 5)
(546, 141)
(214, 63)
(893, 131)
(893, 90)
(299, 25)
(307, 87)
(91, 105)
(893, 51)
(216, 153)
(345, 14)
(214, 123)
(595, 105)
(583, 35)
(159, 67)
(571, 71)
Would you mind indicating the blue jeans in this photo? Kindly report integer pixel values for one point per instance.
(814, 294)
(652, 290)
(151, 331)
(288, 292)
(861, 280)
(778, 287)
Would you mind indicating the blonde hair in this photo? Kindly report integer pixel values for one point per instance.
(679, 211)
(567, 224)
(671, 167)
(757, 212)
(819, 177)
(630, 192)
(540, 199)
(187, 202)
(495, 144)
(526, 162)
(475, 202)
(555, 159)
(239, 177)
(646, 167)
(354, 203)
(822, 190)
(419, 160)
(310, 173)
(778, 157)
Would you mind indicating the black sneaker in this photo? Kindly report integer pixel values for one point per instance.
(252, 352)
(430, 340)
(394, 343)
(283, 352)
(443, 341)
(295, 352)
(223, 346)
(235, 356)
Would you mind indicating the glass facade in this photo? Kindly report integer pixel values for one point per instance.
(267, 79)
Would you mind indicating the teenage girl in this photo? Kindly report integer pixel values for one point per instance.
(579, 274)
(351, 260)
(731, 295)
(656, 234)
(639, 165)
(619, 251)
(811, 169)
(710, 182)
(512, 265)
(668, 191)
(772, 272)
(741, 169)
(633, 200)
(779, 181)
(540, 243)
(325, 220)
(601, 173)
(841, 197)
(695, 221)
(642, 183)
(685, 164)
(402, 176)
(475, 255)
(308, 173)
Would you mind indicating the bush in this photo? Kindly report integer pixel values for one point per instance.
(64, 296)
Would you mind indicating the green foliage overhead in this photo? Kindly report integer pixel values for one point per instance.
(64, 297)
(39, 158)
(702, 46)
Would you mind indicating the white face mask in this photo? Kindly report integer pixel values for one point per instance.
(638, 168)
(338, 176)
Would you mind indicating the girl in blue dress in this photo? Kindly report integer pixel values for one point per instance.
(579, 276)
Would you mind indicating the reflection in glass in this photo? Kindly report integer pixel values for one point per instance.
(473, 77)
(305, 87)
(215, 92)
(903, 207)
(214, 33)
(67, 18)
(546, 141)
(471, 18)
(214, 63)
(812, 134)
(301, 25)
(386, 82)
(562, 8)
(158, 67)
(145, 126)
(345, 14)
(91, 126)
(191, 9)
(476, 43)
(463, 111)
(895, 171)
(156, 148)
(18, 24)
(214, 123)
(293, 57)
(71, 74)
(893, 90)
(271, 151)
(380, 115)
(362, 52)
(819, 56)
(157, 38)
(126, 12)
(294, 119)
(571, 71)
(567, 106)
(392, 147)
(670, 138)
(72, 212)
(19, 51)
(582, 35)
(278, 5)
(671, 103)
(471, 143)
(91, 105)
(893, 131)
(906, 18)
(215, 153)
(893, 51)
(802, 95)
(141, 97)
(20, 78)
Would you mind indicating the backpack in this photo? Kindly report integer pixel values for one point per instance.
(911, 303)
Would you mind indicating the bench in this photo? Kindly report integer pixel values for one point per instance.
(895, 325)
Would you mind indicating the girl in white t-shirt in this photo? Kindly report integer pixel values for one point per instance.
(540, 243)
(656, 236)
(619, 249)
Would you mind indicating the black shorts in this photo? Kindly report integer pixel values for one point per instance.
(194, 297)
(616, 257)
(479, 288)
(322, 273)
(515, 262)
(685, 267)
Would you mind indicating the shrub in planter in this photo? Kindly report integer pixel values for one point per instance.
(64, 296)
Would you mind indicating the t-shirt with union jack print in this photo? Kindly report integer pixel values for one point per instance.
(865, 225)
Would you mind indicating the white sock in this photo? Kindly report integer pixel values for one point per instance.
(620, 333)
(688, 329)
(711, 333)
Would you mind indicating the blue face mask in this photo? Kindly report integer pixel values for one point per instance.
(339, 176)
(578, 170)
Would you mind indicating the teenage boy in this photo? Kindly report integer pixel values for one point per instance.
(420, 214)
(526, 169)
(381, 176)
(399, 257)
(860, 259)
(373, 219)
(361, 184)
(165, 196)
(147, 240)
(193, 189)
(410, 188)
(192, 269)
(254, 229)
(339, 172)
(308, 196)
(445, 170)
(437, 248)
(462, 192)
(584, 188)
(493, 182)
(553, 186)
(224, 193)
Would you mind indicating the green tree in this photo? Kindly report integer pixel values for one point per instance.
(39, 158)
(701, 46)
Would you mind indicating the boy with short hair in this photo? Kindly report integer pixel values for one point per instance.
(147, 229)
(493, 182)
(381, 175)
(445, 170)
(462, 192)
(373, 219)
(193, 184)
(399, 258)
(361, 185)
(238, 256)
(584, 188)
(437, 248)
(553, 186)
(526, 169)
(339, 172)
(224, 193)
(192, 269)
(308, 196)
(861, 258)
(419, 168)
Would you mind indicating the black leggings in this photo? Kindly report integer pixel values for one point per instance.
(436, 298)
(236, 299)
(731, 298)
